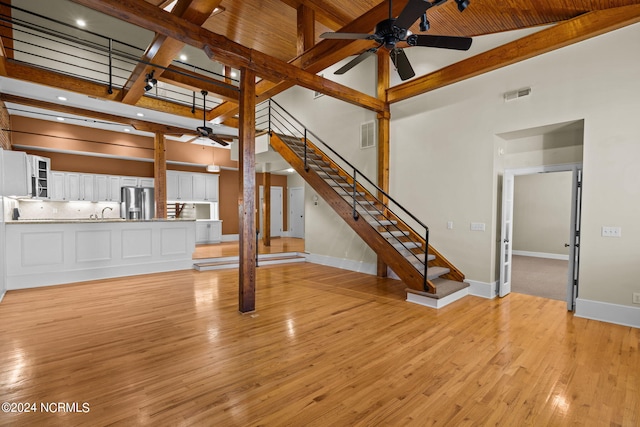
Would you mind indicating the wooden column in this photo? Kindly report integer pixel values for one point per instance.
(266, 208)
(247, 195)
(160, 175)
(227, 74)
(383, 138)
(306, 28)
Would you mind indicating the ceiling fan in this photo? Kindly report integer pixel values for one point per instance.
(390, 32)
(205, 131)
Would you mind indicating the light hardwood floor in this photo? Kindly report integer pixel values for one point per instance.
(326, 347)
(225, 249)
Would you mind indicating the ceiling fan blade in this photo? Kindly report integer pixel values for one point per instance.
(346, 36)
(445, 42)
(411, 12)
(215, 138)
(400, 60)
(355, 61)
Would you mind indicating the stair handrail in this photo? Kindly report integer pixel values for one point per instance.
(307, 131)
(273, 118)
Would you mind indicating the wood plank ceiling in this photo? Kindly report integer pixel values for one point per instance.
(272, 28)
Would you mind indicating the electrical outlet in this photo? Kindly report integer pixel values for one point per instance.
(449, 225)
(636, 297)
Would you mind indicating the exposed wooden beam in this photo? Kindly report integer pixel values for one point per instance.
(326, 14)
(247, 194)
(572, 31)
(322, 55)
(163, 50)
(196, 82)
(160, 175)
(306, 29)
(220, 48)
(141, 125)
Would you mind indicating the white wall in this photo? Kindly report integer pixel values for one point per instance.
(542, 213)
(446, 142)
(337, 124)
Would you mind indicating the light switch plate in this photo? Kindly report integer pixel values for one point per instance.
(477, 226)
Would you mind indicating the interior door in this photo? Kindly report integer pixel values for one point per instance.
(276, 211)
(574, 240)
(296, 212)
(506, 248)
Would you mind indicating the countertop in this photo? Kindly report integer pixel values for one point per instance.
(86, 220)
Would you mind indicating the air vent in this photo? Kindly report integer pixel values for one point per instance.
(515, 94)
(368, 135)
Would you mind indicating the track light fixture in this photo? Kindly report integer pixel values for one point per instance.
(424, 23)
(462, 4)
(150, 81)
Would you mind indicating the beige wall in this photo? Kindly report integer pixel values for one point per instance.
(448, 140)
(542, 213)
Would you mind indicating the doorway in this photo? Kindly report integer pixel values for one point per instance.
(296, 212)
(544, 231)
(276, 210)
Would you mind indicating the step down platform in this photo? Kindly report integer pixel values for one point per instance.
(448, 292)
(234, 261)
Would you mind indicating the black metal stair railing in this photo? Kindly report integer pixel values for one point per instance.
(272, 117)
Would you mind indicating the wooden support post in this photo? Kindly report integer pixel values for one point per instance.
(306, 28)
(266, 208)
(383, 139)
(227, 74)
(247, 196)
(160, 175)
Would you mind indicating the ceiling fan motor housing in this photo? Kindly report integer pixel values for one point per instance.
(387, 33)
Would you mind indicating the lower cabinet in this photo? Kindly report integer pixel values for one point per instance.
(208, 231)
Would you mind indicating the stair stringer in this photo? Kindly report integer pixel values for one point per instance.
(389, 255)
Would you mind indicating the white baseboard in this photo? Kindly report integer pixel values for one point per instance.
(230, 237)
(345, 264)
(482, 289)
(542, 255)
(607, 312)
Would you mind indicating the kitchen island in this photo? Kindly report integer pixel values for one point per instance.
(53, 252)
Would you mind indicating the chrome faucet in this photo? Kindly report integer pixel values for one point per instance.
(102, 214)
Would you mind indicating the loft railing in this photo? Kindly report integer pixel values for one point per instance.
(57, 46)
(272, 117)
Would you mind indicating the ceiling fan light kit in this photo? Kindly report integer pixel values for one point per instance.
(390, 32)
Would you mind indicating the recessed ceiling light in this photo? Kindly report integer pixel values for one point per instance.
(183, 57)
(62, 98)
(127, 130)
(61, 119)
(140, 114)
(81, 23)
(234, 74)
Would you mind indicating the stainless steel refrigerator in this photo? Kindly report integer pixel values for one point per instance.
(137, 203)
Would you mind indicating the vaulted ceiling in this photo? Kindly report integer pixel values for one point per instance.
(280, 39)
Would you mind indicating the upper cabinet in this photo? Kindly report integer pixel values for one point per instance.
(192, 187)
(15, 173)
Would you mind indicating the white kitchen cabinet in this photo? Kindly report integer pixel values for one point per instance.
(146, 182)
(179, 186)
(211, 188)
(208, 231)
(87, 190)
(199, 186)
(58, 192)
(129, 181)
(107, 188)
(72, 186)
(15, 170)
(80, 187)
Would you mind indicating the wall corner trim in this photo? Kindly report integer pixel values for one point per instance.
(482, 289)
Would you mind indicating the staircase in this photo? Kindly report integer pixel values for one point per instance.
(378, 219)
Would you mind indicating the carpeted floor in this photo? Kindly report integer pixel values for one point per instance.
(541, 277)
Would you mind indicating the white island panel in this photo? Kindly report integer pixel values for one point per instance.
(93, 245)
(36, 250)
(137, 243)
(52, 253)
